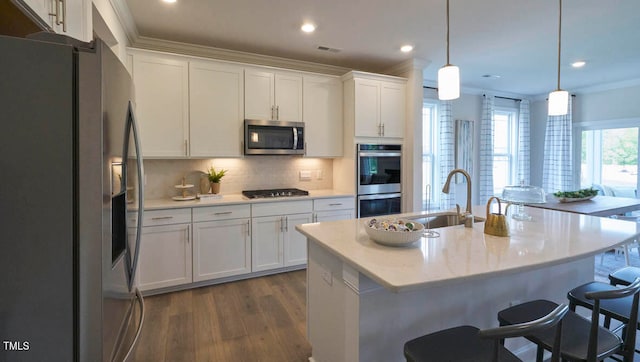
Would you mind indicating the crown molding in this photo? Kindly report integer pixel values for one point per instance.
(407, 66)
(596, 88)
(608, 86)
(148, 43)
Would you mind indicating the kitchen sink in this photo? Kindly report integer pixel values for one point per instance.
(441, 219)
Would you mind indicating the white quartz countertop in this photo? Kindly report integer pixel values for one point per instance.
(230, 199)
(460, 253)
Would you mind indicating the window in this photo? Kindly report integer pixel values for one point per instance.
(609, 160)
(505, 136)
(429, 150)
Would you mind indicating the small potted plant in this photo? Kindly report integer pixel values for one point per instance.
(214, 179)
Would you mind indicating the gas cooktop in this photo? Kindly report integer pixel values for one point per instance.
(259, 194)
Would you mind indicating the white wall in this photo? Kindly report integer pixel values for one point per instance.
(616, 104)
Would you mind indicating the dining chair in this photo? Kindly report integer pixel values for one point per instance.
(468, 343)
(583, 339)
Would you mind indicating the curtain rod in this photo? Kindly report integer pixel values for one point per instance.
(513, 99)
(484, 95)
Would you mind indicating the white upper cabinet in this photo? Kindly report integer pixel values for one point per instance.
(68, 17)
(322, 115)
(162, 104)
(375, 104)
(216, 93)
(40, 8)
(367, 108)
(288, 97)
(259, 94)
(392, 109)
(271, 95)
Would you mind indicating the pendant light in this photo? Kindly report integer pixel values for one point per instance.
(448, 75)
(559, 99)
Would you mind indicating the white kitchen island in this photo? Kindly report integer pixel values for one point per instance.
(365, 300)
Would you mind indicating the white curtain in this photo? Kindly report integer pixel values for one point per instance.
(447, 153)
(557, 171)
(524, 144)
(486, 149)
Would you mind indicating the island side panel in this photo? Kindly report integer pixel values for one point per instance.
(326, 307)
(352, 318)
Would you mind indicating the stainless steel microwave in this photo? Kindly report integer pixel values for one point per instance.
(273, 137)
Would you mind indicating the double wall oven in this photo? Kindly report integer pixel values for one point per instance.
(379, 179)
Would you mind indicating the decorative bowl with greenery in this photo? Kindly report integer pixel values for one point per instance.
(215, 176)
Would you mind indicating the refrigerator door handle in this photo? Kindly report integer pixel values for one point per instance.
(140, 323)
(140, 170)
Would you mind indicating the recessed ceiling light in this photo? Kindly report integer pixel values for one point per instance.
(406, 48)
(169, 1)
(578, 64)
(308, 27)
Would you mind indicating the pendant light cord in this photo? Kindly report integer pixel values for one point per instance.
(559, 39)
(448, 32)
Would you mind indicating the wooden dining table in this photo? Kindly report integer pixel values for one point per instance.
(598, 206)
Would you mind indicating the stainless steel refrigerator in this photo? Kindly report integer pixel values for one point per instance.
(71, 174)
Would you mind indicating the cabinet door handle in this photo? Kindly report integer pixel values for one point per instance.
(272, 117)
(162, 218)
(281, 224)
(56, 9)
(64, 15)
(337, 204)
(186, 147)
(286, 223)
(248, 227)
(277, 112)
(187, 235)
(383, 129)
(224, 213)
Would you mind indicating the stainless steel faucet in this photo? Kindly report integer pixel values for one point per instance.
(466, 175)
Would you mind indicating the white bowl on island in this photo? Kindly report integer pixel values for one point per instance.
(400, 237)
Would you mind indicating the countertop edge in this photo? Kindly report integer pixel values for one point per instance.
(392, 286)
(238, 199)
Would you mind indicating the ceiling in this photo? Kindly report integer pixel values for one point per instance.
(513, 39)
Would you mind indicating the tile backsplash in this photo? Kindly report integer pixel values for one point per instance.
(249, 173)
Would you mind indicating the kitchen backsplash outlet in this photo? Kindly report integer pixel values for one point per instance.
(250, 173)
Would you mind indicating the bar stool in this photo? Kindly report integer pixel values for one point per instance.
(616, 309)
(624, 276)
(467, 343)
(582, 339)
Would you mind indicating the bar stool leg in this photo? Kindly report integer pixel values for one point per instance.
(539, 354)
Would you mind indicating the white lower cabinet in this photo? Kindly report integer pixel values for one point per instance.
(182, 246)
(295, 244)
(332, 209)
(221, 248)
(165, 256)
(267, 242)
(320, 216)
(275, 243)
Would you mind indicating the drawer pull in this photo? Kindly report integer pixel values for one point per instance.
(337, 204)
(162, 218)
(224, 213)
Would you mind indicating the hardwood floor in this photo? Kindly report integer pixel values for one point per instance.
(260, 319)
